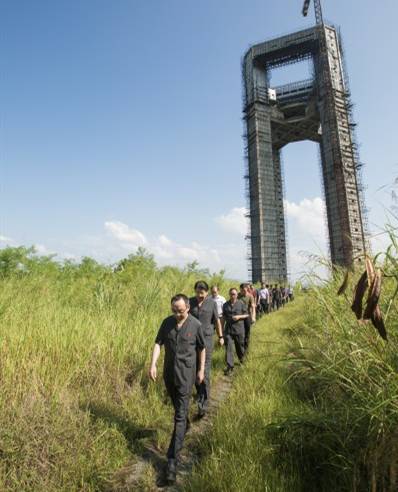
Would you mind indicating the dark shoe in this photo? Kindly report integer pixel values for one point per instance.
(228, 371)
(201, 413)
(171, 472)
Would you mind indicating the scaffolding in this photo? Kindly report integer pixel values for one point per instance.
(317, 109)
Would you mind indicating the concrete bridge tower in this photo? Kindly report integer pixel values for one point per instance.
(317, 109)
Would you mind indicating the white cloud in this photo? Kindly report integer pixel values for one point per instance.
(309, 215)
(379, 241)
(305, 226)
(5, 239)
(165, 249)
(234, 221)
(164, 241)
(125, 234)
(43, 250)
(69, 256)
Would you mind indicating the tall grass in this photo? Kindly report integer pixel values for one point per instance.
(316, 407)
(237, 453)
(348, 375)
(74, 346)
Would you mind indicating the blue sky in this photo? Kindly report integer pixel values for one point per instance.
(121, 124)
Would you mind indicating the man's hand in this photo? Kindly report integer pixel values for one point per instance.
(153, 373)
(236, 317)
(201, 376)
(221, 341)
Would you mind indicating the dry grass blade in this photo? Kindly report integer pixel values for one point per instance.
(360, 290)
(344, 285)
(378, 322)
(373, 296)
(370, 269)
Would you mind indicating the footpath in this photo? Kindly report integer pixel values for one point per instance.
(228, 450)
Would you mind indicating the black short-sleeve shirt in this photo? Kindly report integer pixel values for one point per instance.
(207, 313)
(229, 310)
(181, 346)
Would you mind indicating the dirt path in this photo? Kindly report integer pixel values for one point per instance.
(131, 477)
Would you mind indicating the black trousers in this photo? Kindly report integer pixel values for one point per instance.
(248, 324)
(203, 389)
(181, 409)
(264, 306)
(239, 342)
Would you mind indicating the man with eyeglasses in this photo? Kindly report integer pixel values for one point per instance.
(182, 337)
(234, 314)
(204, 308)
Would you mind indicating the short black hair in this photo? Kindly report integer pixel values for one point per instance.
(202, 285)
(179, 297)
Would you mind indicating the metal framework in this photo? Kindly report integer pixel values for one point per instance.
(318, 10)
(318, 109)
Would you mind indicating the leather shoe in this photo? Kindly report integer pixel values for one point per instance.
(171, 472)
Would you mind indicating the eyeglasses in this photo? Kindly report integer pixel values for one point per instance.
(179, 311)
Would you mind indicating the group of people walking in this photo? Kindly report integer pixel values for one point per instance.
(188, 338)
(273, 297)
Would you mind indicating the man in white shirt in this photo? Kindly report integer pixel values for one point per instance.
(264, 298)
(219, 300)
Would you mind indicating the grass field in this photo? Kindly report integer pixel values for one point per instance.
(315, 408)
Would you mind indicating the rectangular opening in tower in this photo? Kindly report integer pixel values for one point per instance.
(304, 207)
(291, 73)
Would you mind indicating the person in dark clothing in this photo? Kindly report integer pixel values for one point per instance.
(234, 314)
(271, 299)
(276, 297)
(283, 296)
(253, 291)
(204, 308)
(245, 296)
(182, 337)
(264, 298)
